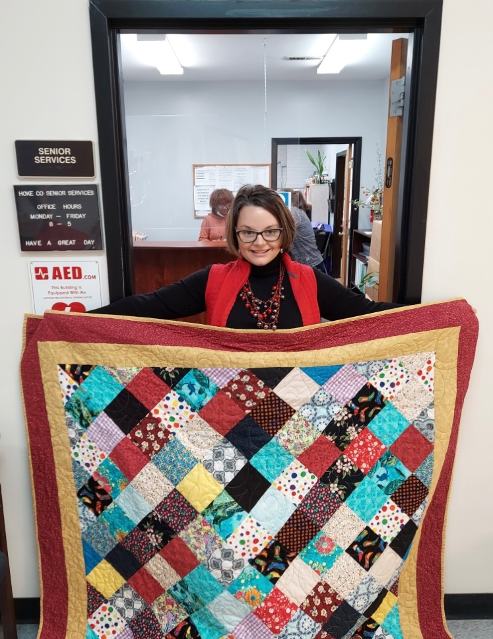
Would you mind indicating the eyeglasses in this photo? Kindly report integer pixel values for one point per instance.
(269, 235)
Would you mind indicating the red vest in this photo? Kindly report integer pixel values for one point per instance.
(226, 280)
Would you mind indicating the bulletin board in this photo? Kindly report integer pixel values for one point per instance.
(209, 177)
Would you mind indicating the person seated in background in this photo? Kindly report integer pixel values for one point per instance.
(263, 288)
(304, 248)
(214, 224)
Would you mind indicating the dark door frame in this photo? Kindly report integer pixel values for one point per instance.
(338, 214)
(422, 18)
(357, 143)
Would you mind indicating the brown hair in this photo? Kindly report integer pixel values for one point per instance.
(298, 200)
(268, 199)
(220, 197)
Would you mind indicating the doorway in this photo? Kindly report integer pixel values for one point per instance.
(419, 17)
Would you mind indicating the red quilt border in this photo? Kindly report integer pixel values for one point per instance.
(91, 329)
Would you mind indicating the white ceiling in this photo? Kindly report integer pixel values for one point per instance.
(240, 57)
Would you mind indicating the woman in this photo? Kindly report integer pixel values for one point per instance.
(263, 288)
(214, 224)
(304, 248)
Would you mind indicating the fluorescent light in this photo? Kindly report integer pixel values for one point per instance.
(344, 50)
(156, 51)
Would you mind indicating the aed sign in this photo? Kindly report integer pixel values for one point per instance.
(54, 158)
(58, 217)
(65, 286)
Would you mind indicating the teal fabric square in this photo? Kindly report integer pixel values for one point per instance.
(111, 475)
(271, 460)
(425, 472)
(175, 461)
(321, 553)
(207, 625)
(366, 500)
(80, 474)
(90, 634)
(202, 583)
(320, 374)
(117, 521)
(225, 514)
(228, 610)
(250, 586)
(133, 504)
(392, 623)
(273, 510)
(91, 557)
(95, 393)
(389, 473)
(196, 388)
(388, 425)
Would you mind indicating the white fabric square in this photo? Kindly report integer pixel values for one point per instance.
(298, 581)
(296, 388)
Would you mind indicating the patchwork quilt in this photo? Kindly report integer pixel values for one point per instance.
(191, 481)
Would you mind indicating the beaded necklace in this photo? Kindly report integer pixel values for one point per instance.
(265, 311)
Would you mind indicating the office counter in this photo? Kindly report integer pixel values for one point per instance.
(159, 263)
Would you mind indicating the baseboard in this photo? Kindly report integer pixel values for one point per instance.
(469, 606)
(465, 606)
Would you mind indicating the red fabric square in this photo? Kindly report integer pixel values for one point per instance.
(276, 610)
(365, 450)
(150, 435)
(411, 448)
(145, 585)
(246, 390)
(222, 413)
(179, 556)
(148, 388)
(320, 455)
(321, 602)
(128, 458)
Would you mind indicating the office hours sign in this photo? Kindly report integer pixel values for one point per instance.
(58, 217)
(65, 286)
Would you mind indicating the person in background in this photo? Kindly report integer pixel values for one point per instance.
(214, 224)
(263, 288)
(304, 248)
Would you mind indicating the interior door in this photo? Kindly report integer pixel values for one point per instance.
(346, 215)
(338, 214)
(392, 173)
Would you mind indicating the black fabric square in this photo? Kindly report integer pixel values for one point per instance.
(367, 630)
(366, 548)
(375, 605)
(248, 437)
(78, 372)
(247, 487)
(403, 541)
(271, 376)
(344, 619)
(158, 532)
(94, 496)
(123, 561)
(344, 475)
(273, 561)
(355, 416)
(126, 411)
(170, 376)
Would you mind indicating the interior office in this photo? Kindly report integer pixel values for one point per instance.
(51, 96)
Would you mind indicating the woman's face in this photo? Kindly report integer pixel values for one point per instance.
(256, 218)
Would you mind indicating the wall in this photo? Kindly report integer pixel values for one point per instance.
(223, 122)
(50, 92)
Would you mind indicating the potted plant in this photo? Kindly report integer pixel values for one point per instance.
(318, 163)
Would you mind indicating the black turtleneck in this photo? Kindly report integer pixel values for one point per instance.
(187, 297)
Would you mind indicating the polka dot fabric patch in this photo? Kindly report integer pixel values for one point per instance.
(295, 482)
(391, 379)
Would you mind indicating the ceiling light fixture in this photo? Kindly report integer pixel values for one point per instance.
(345, 49)
(156, 50)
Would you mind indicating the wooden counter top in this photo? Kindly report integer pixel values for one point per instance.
(157, 264)
(179, 244)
